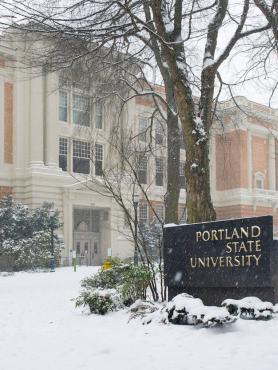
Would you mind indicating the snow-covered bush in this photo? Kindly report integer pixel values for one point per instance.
(187, 310)
(136, 280)
(100, 301)
(250, 308)
(25, 234)
(148, 312)
(129, 281)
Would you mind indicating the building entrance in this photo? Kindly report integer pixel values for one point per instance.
(87, 236)
(87, 250)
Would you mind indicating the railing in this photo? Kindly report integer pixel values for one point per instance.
(67, 261)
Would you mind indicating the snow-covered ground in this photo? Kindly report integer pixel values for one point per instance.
(41, 330)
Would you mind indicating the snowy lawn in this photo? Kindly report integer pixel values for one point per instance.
(41, 330)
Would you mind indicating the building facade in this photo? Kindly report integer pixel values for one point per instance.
(48, 137)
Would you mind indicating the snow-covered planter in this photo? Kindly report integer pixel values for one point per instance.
(250, 308)
(187, 310)
(100, 301)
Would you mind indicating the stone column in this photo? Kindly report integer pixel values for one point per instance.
(249, 160)
(20, 132)
(51, 120)
(271, 163)
(36, 134)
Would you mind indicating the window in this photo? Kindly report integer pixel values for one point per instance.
(259, 180)
(159, 209)
(159, 133)
(143, 213)
(143, 126)
(182, 177)
(63, 106)
(182, 214)
(98, 115)
(98, 159)
(63, 153)
(80, 110)
(81, 157)
(159, 171)
(142, 168)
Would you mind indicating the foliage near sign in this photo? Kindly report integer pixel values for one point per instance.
(112, 288)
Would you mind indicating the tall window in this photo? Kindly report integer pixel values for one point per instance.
(182, 177)
(63, 106)
(81, 157)
(98, 159)
(80, 110)
(143, 126)
(63, 153)
(143, 213)
(159, 209)
(98, 115)
(142, 166)
(159, 171)
(159, 133)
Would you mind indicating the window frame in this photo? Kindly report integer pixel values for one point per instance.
(65, 107)
(142, 131)
(83, 158)
(83, 113)
(143, 207)
(98, 165)
(98, 114)
(142, 173)
(63, 152)
(159, 171)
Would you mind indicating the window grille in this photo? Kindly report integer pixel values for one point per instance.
(80, 110)
(143, 125)
(63, 153)
(159, 171)
(63, 106)
(98, 115)
(142, 168)
(81, 157)
(159, 133)
(98, 159)
(143, 213)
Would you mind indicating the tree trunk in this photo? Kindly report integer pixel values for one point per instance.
(173, 160)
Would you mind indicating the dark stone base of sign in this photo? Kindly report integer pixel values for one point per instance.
(215, 296)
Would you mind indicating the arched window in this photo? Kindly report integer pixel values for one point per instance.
(83, 227)
(259, 180)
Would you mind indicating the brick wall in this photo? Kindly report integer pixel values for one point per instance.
(238, 211)
(231, 160)
(5, 190)
(260, 158)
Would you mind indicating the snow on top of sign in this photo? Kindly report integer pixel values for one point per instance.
(210, 222)
(170, 225)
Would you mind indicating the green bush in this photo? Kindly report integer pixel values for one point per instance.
(128, 281)
(100, 301)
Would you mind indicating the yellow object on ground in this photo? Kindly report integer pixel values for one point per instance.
(106, 265)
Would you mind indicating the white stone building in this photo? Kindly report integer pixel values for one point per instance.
(45, 156)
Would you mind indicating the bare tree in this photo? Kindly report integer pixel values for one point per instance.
(174, 35)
